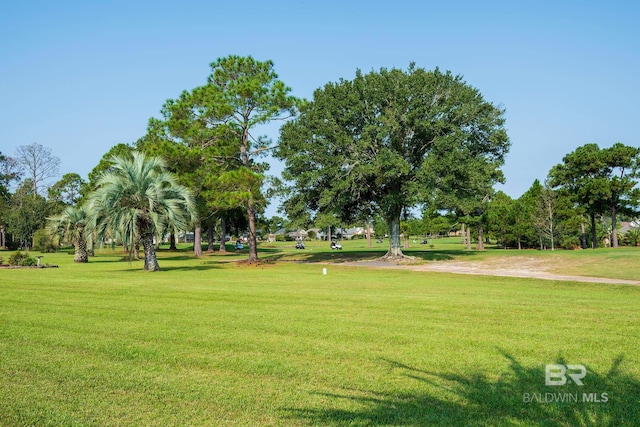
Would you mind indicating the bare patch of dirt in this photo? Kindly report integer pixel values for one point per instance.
(254, 264)
(497, 266)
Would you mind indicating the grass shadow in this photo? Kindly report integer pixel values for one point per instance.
(518, 397)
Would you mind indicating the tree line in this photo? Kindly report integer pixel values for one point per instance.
(366, 150)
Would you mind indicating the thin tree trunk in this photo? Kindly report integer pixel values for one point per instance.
(464, 234)
(480, 245)
(614, 225)
(329, 233)
(223, 236)
(253, 236)
(251, 209)
(368, 234)
(594, 233)
(91, 248)
(210, 237)
(551, 231)
(583, 237)
(197, 241)
(172, 242)
(136, 248)
(468, 238)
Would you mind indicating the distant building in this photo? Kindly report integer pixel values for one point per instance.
(626, 226)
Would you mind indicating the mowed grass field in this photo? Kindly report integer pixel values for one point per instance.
(208, 341)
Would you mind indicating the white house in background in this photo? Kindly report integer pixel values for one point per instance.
(321, 234)
(626, 226)
(344, 233)
(299, 234)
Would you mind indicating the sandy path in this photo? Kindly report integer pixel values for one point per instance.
(516, 267)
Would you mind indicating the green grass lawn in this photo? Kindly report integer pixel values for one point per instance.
(210, 342)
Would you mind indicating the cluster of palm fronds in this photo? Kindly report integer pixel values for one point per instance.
(136, 202)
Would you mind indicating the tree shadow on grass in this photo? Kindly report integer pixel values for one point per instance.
(518, 397)
(164, 268)
(369, 255)
(325, 256)
(439, 255)
(190, 268)
(177, 258)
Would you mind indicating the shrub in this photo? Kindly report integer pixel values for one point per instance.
(631, 238)
(21, 259)
(43, 241)
(570, 242)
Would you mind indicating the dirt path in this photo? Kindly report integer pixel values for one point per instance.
(516, 267)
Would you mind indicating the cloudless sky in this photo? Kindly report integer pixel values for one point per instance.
(81, 76)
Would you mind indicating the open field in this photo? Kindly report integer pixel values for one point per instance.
(210, 342)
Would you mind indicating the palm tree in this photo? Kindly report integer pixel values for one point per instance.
(71, 224)
(138, 198)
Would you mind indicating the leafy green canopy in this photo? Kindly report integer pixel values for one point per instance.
(389, 140)
(209, 131)
(601, 180)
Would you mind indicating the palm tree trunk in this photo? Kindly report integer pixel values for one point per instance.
(172, 242)
(80, 249)
(150, 259)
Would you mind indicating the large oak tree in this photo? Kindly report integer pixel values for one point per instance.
(388, 140)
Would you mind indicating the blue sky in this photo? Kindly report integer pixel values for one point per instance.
(80, 77)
